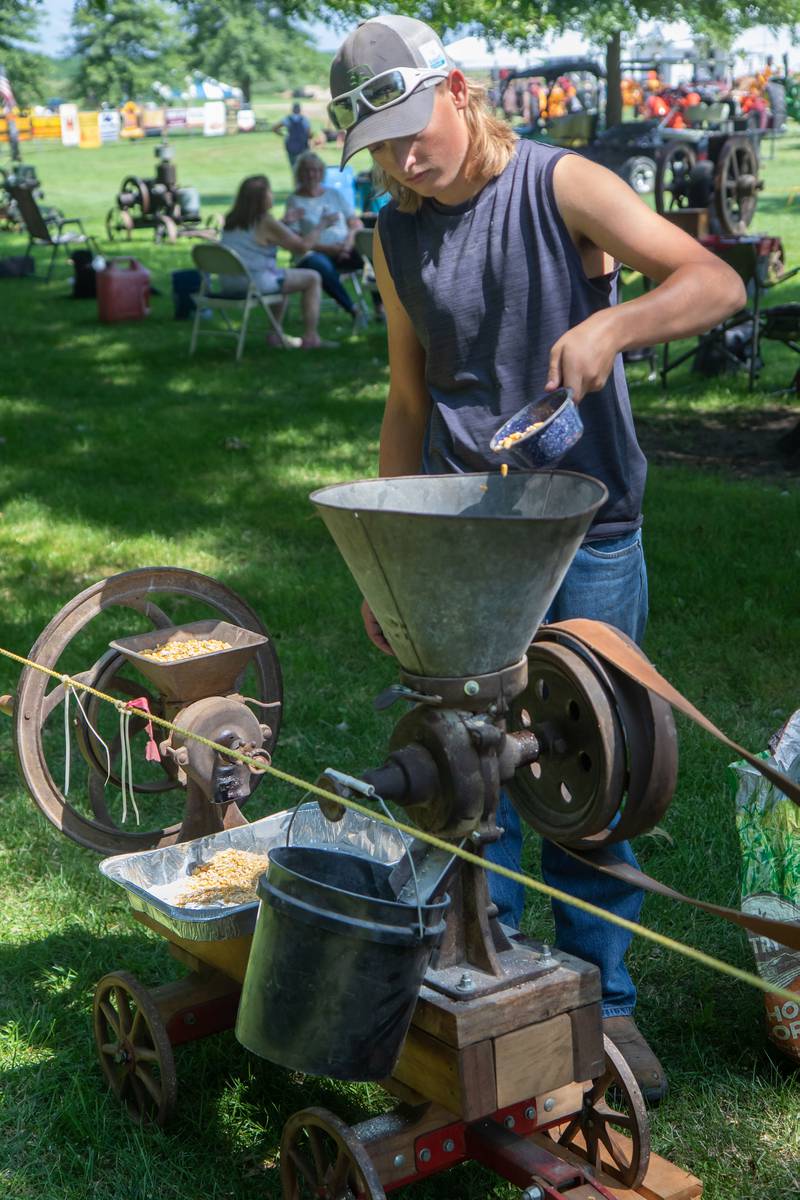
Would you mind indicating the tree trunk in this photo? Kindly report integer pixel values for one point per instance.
(245, 84)
(613, 80)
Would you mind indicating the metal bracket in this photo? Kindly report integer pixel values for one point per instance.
(398, 691)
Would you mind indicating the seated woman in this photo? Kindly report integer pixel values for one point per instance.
(254, 235)
(334, 250)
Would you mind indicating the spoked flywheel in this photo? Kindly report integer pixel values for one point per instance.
(611, 1131)
(322, 1159)
(673, 172)
(608, 761)
(736, 185)
(100, 755)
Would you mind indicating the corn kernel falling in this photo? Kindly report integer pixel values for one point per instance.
(504, 469)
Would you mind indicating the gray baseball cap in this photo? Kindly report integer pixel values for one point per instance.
(380, 45)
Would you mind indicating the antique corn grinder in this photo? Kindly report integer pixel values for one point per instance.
(201, 695)
(496, 1046)
(506, 1038)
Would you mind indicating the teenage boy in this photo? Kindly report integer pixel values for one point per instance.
(497, 262)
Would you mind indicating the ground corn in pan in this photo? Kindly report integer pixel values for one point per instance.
(230, 877)
(169, 652)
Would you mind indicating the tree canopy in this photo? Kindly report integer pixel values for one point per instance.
(122, 47)
(19, 20)
(248, 41)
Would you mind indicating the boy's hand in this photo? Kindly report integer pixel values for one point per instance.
(582, 359)
(374, 631)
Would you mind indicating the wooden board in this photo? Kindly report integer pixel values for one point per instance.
(663, 1181)
(462, 1081)
(694, 221)
(538, 1058)
(228, 955)
(574, 984)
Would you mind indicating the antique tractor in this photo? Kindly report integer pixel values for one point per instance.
(707, 181)
(159, 204)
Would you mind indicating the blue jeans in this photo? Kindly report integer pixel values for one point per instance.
(329, 277)
(607, 581)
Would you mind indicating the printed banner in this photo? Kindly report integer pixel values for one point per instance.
(70, 130)
(46, 127)
(89, 130)
(109, 123)
(214, 118)
(153, 121)
(176, 118)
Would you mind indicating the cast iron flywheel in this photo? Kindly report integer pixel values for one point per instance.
(91, 810)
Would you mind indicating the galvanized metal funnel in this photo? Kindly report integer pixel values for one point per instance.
(460, 569)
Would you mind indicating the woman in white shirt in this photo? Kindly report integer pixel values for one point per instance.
(334, 250)
(254, 235)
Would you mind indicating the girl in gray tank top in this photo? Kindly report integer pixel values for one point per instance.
(471, 278)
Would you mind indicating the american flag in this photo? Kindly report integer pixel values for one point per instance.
(6, 94)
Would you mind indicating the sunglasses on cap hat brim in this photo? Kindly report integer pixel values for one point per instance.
(383, 90)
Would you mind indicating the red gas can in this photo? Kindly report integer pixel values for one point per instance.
(123, 290)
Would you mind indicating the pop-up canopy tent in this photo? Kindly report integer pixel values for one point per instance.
(199, 87)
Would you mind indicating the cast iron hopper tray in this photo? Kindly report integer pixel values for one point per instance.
(152, 878)
(212, 674)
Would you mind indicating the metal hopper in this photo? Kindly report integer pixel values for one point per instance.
(213, 674)
(460, 569)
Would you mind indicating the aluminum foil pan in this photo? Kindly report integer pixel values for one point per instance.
(153, 877)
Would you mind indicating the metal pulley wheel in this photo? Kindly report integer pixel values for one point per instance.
(119, 221)
(165, 229)
(136, 193)
(322, 1159)
(673, 170)
(575, 786)
(609, 760)
(612, 1106)
(92, 813)
(736, 185)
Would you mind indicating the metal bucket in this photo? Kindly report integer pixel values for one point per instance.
(335, 966)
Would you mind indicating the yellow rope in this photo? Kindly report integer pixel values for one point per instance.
(261, 767)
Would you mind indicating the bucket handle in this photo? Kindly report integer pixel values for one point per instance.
(367, 790)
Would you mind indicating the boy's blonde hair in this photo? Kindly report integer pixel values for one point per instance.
(491, 144)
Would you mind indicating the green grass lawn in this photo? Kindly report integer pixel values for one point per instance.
(114, 456)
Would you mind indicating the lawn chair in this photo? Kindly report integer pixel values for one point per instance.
(754, 259)
(50, 232)
(212, 259)
(364, 276)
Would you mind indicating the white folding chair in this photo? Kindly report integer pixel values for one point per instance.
(363, 275)
(212, 259)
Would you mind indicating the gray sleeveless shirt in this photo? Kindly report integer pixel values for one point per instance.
(489, 286)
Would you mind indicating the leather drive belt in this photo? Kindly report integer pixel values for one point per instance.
(607, 643)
